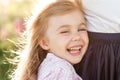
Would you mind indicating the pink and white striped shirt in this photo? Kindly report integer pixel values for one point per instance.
(55, 68)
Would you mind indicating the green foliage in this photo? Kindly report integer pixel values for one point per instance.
(5, 55)
(8, 14)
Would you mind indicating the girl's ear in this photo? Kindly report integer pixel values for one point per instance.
(44, 44)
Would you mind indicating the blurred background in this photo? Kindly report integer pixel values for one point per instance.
(12, 23)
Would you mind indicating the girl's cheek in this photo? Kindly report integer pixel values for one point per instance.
(65, 38)
(84, 36)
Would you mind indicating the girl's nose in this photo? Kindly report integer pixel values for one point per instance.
(76, 37)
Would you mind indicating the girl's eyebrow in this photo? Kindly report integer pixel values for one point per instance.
(67, 25)
(64, 26)
(82, 23)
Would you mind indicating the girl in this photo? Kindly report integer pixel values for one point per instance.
(57, 40)
(102, 60)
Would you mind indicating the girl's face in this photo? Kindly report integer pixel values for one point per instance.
(66, 36)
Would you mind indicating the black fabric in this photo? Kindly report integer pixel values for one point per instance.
(102, 60)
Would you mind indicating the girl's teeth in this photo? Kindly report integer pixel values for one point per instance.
(74, 49)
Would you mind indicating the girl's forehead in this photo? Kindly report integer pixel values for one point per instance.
(73, 18)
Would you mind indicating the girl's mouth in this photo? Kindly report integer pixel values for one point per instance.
(75, 50)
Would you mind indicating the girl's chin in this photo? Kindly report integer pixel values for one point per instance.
(75, 62)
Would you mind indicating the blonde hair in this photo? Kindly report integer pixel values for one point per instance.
(33, 55)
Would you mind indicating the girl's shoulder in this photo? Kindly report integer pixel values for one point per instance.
(55, 67)
(53, 62)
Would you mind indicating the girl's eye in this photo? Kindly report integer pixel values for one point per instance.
(82, 29)
(64, 32)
